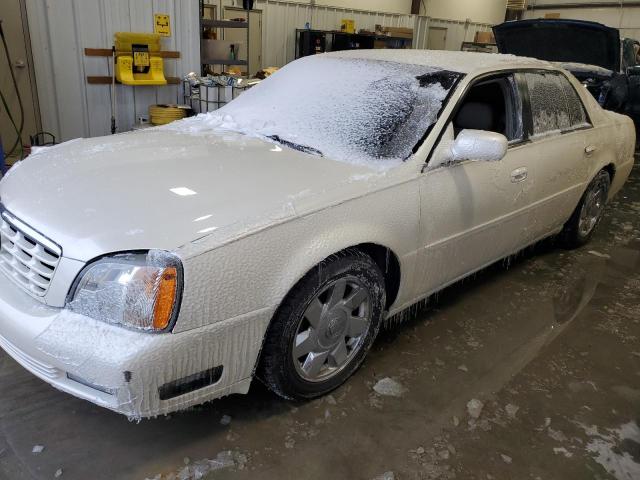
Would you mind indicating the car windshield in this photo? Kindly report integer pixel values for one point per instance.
(348, 109)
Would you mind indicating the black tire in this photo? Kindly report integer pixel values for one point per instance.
(572, 236)
(276, 368)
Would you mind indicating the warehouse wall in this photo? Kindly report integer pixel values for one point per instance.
(391, 6)
(626, 18)
(71, 108)
(281, 18)
(481, 11)
(61, 29)
(457, 31)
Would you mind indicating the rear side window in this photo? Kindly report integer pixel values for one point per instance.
(555, 105)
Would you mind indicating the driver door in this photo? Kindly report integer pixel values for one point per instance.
(475, 212)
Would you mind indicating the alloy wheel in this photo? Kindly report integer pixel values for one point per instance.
(332, 329)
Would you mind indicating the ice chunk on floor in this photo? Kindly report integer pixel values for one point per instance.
(474, 407)
(389, 387)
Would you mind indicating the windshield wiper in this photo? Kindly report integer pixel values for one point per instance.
(296, 146)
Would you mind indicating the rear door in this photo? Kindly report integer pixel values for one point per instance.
(559, 153)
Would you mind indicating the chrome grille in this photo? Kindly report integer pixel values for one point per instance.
(27, 257)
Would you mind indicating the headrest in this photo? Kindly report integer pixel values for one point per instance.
(475, 115)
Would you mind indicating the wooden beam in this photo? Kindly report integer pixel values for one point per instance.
(415, 7)
(106, 52)
(106, 80)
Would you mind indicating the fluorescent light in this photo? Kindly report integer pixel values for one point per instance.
(199, 219)
(207, 230)
(182, 191)
(276, 148)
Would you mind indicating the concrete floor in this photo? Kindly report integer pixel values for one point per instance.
(549, 343)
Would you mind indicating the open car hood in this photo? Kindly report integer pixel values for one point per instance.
(575, 41)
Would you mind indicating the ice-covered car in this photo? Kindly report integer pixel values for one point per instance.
(594, 53)
(154, 270)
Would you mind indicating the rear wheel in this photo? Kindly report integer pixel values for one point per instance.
(587, 215)
(324, 328)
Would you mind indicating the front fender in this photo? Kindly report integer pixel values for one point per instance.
(258, 270)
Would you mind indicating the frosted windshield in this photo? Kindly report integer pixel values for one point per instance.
(347, 109)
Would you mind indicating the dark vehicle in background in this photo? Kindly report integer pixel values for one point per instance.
(606, 64)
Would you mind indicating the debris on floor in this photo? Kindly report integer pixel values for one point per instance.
(386, 476)
(474, 407)
(512, 410)
(200, 468)
(389, 388)
(598, 254)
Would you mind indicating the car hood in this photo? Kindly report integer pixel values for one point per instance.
(555, 40)
(163, 189)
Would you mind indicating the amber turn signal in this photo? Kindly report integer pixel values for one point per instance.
(165, 298)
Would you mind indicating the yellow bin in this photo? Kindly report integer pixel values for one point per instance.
(137, 59)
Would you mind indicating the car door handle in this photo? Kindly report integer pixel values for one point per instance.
(589, 149)
(519, 175)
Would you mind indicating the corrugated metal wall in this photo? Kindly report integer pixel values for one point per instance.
(457, 32)
(280, 20)
(60, 31)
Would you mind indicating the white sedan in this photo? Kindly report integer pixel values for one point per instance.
(151, 271)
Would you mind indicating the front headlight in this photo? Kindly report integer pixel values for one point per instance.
(139, 290)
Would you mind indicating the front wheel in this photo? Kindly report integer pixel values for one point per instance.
(587, 215)
(324, 328)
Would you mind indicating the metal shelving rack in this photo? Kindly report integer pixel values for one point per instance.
(222, 25)
(367, 40)
(205, 98)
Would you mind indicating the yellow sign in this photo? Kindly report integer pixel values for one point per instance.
(162, 24)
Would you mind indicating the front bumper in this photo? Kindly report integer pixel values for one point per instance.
(121, 369)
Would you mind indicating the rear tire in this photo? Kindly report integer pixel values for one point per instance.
(588, 214)
(324, 328)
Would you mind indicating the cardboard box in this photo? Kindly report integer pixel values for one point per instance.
(401, 32)
(484, 37)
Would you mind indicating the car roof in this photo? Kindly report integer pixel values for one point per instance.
(462, 62)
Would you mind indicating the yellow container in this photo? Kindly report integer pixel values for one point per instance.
(137, 59)
(348, 26)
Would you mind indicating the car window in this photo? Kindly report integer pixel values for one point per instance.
(493, 105)
(555, 106)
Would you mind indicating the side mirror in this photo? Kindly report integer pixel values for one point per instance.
(478, 145)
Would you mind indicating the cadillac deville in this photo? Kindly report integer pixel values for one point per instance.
(154, 270)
